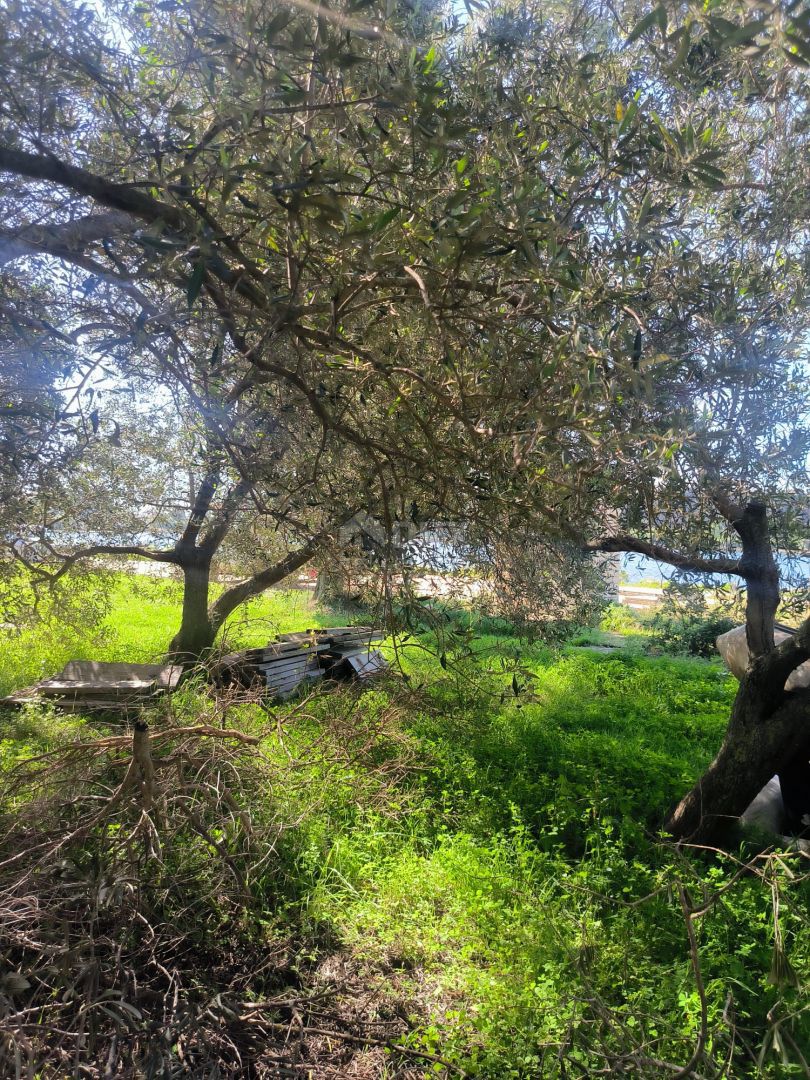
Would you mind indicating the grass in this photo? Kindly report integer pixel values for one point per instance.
(509, 894)
(482, 843)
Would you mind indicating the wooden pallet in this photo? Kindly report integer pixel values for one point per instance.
(92, 685)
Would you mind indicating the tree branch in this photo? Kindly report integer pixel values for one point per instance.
(125, 197)
(770, 671)
(662, 554)
(69, 561)
(116, 196)
(219, 528)
(68, 238)
(264, 579)
(199, 510)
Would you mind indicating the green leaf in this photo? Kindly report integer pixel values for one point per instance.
(748, 32)
(644, 210)
(795, 59)
(195, 282)
(384, 219)
(658, 16)
(709, 171)
(627, 119)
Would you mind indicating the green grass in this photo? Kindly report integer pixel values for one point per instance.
(483, 842)
(501, 895)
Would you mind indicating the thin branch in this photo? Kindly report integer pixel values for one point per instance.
(703, 1033)
(68, 561)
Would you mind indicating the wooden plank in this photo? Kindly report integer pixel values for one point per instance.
(301, 639)
(373, 664)
(259, 654)
(284, 687)
(57, 686)
(277, 646)
(282, 665)
(283, 661)
(341, 652)
(291, 654)
(360, 632)
(97, 671)
(276, 672)
(283, 680)
(284, 673)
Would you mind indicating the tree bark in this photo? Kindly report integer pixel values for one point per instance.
(755, 748)
(769, 730)
(761, 574)
(197, 632)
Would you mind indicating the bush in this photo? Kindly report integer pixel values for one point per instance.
(620, 619)
(694, 634)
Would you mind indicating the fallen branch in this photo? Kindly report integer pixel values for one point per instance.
(703, 1034)
(366, 1040)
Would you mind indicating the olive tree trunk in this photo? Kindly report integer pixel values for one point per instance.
(197, 632)
(760, 742)
(769, 728)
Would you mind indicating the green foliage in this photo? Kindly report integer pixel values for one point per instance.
(513, 886)
(689, 632)
(618, 618)
(490, 858)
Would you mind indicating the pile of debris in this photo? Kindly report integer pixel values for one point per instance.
(88, 685)
(281, 666)
(277, 669)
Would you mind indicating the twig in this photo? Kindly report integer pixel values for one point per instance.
(368, 1040)
(703, 1034)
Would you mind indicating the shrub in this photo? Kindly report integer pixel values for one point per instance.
(617, 618)
(694, 634)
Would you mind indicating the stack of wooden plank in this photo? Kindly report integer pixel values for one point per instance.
(280, 667)
(89, 685)
(349, 654)
(277, 668)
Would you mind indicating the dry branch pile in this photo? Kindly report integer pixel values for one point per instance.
(138, 873)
